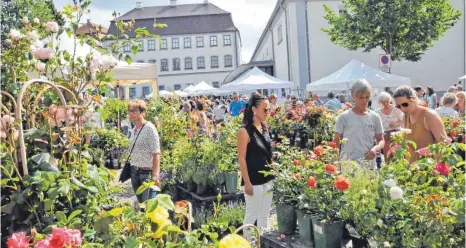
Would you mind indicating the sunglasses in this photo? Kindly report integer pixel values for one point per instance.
(266, 110)
(404, 105)
(134, 110)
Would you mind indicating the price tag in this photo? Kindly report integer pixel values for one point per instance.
(318, 229)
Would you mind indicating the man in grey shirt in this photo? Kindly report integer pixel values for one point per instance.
(360, 126)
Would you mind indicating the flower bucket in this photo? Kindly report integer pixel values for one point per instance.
(286, 218)
(191, 186)
(327, 235)
(201, 189)
(231, 182)
(306, 234)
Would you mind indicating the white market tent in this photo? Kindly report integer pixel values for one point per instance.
(463, 77)
(201, 88)
(180, 93)
(163, 93)
(344, 78)
(123, 73)
(255, 79)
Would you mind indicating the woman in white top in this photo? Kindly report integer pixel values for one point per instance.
(449, 101)
(392, 118)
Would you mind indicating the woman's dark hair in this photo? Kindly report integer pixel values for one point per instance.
(193, 105)
(254, 101)
(431, 90)
(199, 106)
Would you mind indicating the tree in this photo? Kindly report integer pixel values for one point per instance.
(405, 29)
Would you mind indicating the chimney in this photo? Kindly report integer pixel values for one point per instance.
(172, 3)
(138, 5)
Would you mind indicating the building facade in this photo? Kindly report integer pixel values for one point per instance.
(199, 43)
(302, 53)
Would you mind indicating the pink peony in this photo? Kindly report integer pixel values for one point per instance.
(442, 168)
(42, 53)
(51, 27)
(43, 243)
(424, 152)
(65, 237)
(14, 34)
(18, 240)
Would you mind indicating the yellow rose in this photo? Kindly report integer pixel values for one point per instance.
(160, 229)
(159, 215)
(234, 241)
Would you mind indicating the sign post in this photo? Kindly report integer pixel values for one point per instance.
(385, 62)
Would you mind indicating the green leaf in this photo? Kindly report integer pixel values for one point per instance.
(48, 203)
(128, 59)
(165, 201)
(151, 205)
(53, 193)
(41, 157)
(92, 189)
(61, 217)
(8, 208)
(66, 55)
(64, 187)
(131, 242)
(142, 188)
(46, 166)
(77, 182)
(74, 214)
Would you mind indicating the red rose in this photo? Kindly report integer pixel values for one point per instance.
(311, 182)
(318, 150)
(452, 134)
(455, 123)
(332, 144)
(296, 162)
(442, 168)
(18, 240)
(63, 236)
(342, 183)
(297, 176)
(330, 168)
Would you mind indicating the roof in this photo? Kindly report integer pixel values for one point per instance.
(184, 25)
(179, 10)
(240, 70)
(90, 28)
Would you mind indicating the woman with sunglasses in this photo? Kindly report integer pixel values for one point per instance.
(361, 126)
(254, 154)
(392, 118)
(425, 124)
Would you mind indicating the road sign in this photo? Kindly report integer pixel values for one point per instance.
(385, 61)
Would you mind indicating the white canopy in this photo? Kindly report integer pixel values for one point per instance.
(189, 88)
(463, 77)
(165, 93)
(344, 78)
(201, 88)
(256, 79)
(181, 93)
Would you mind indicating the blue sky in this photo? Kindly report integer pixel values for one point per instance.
(249, 16)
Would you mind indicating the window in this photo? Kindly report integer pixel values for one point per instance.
(161, 87)
(175, 43)
(187, 42)
(151, 45)
(215, 85)
(279, 33)
(140, 61)
(163, 45)
(200, 63)
(164, 65)
(152, 61)
(228, 61)
(200, 41)
(227, 40)
(188, 63)
(141, 45)
(214, 62)
(176, 64)
(127, 48)
(145, 91)
(132, 92)
(177, 86)
(213, 40)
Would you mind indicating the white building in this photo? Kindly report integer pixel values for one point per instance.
(302, 53)
(200, 43)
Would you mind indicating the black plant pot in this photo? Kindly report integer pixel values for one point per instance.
(216, 189)
(201, 189)
(191, 186)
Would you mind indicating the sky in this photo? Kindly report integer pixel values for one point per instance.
(249, 16)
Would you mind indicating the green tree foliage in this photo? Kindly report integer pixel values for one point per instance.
(403, 28)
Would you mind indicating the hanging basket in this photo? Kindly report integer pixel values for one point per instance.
(258, 236)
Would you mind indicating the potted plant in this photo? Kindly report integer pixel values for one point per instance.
(216, 180)
(200, 177)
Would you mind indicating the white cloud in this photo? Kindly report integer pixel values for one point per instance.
(249, 16)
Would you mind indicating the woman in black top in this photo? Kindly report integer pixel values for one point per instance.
(254, 155)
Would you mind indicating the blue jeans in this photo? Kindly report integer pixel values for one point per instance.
(137, 178)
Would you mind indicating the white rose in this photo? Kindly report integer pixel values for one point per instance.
(389, 183)
(25, 20)
(386, 244)
(37, 44)
(380, 223)
(363, 192)
(32, 36)
(36, 20)
(405, 131)
(396, 193)
(51, 27)
(42, 53)
(40, 66)
(14, 34)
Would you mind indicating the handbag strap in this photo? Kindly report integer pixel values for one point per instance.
(131, 151)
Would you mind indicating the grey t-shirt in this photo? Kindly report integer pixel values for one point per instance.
(360, 132)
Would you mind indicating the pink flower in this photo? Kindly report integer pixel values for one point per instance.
(448, 140)
(53, 109)
(14, 34)
(442, 168)
(42, 53)
(51, 27)
(424, 152)
(63, 236)
(43, 243)
(18, 240)
(393, 149)
(40, 66)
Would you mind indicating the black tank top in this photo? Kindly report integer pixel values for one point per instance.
(258, 156)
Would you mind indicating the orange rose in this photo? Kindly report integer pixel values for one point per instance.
(330, 168)
(332, 144)
(297, 176)
(311, 182)
(342, 183)
(318, 150)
